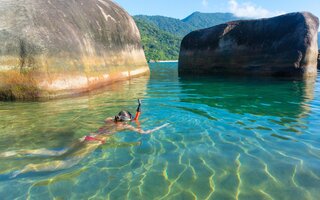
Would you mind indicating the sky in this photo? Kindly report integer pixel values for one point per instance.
(241, 8)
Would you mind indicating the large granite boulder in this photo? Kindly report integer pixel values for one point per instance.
(281, 46)
(51, 48)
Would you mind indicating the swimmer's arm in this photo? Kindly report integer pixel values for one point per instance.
(139, 130)
(109, 119)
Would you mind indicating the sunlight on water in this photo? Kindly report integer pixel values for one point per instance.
(228, 138)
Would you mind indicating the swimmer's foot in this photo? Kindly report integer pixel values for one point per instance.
(16, 173)
(8, 154)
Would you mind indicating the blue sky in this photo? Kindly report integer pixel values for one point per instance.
(242, 8)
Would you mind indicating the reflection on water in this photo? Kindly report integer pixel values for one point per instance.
(266, 97)
(228, 139)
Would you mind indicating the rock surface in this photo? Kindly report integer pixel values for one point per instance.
(53, 48)
(281, 46)
(318, 59)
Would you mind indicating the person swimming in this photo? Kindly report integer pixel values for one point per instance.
(72, 155)
(120, 119)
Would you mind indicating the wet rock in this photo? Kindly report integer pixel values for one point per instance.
(319, 59)
(281, 46)
(53, 48)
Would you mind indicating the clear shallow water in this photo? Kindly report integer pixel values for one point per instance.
(228, 138)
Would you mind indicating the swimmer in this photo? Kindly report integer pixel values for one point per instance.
(72, 155)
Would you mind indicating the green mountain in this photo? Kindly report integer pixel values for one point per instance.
(168, 24)
(158, 44)
(200, 20)
(161, 36)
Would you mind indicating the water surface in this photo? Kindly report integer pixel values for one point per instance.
(228, 138)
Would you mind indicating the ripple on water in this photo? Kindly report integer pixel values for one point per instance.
(228, 138)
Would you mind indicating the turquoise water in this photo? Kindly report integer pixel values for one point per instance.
(228, 138)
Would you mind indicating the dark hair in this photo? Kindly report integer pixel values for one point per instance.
(123, 116)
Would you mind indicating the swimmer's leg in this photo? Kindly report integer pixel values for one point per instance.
(47, 166)
(122, 145)
(35, 152)
(73, 159)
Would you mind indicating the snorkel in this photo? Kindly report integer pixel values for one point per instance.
(138, 110)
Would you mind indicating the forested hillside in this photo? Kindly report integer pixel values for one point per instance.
(158, 44)
(170, 25)
(161, 36)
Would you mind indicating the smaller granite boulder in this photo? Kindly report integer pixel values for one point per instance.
(281, 46)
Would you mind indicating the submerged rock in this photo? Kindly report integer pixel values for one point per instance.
(53, 48)
(281, 46)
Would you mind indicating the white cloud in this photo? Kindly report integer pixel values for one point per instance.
(205, 3)
(250, 10)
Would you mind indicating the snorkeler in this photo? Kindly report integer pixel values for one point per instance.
(120, 122)
(69, 157)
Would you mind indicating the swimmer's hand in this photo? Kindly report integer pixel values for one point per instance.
(139, 102)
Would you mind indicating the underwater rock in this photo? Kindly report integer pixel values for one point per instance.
(280, 46)
(53, 48)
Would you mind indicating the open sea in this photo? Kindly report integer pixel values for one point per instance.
(227, 138)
